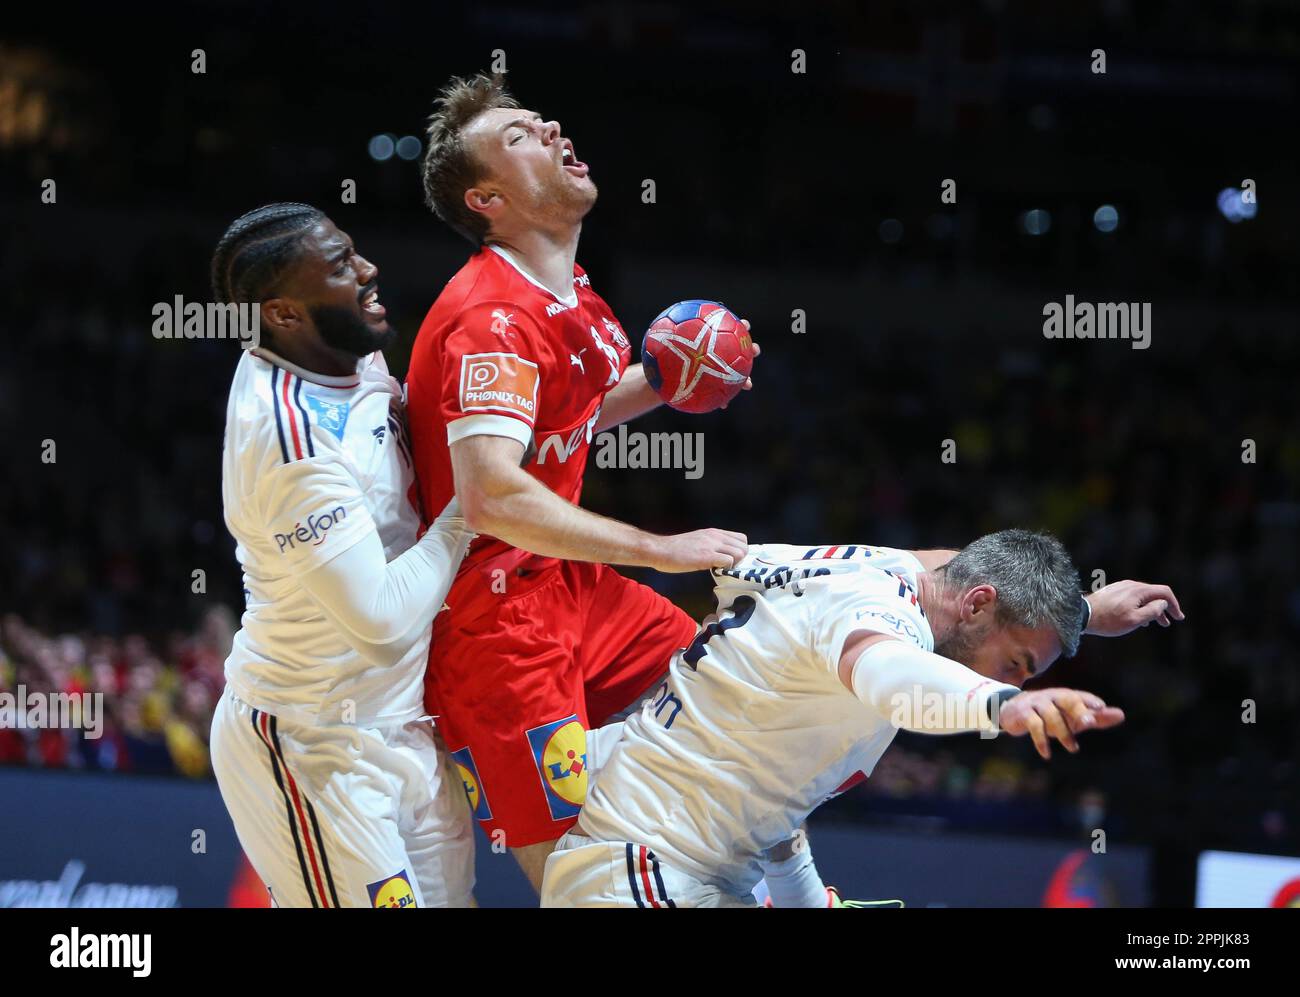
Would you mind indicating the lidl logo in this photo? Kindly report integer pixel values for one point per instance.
(474, 792)
(392, 892)
(560, 750)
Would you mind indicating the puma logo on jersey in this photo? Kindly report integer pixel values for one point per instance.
(575, 360)
(501, 322)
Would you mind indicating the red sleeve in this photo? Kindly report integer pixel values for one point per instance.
(492, 374)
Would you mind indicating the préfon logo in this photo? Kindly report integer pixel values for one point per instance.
(313, 532)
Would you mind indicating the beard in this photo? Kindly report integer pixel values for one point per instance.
(961, 644)
(345, 330)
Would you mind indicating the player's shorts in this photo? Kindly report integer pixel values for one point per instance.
(516, 687)
(344, 816)
(582, 872)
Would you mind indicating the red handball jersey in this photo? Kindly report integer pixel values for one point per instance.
(501, 355)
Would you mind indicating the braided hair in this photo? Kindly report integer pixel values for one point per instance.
(257, 249)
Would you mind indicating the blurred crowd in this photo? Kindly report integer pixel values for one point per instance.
(155, 705)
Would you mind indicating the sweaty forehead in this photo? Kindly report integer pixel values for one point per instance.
(324, 240)
(316, 248)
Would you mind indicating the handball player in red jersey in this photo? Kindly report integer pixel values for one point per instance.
(520, 361)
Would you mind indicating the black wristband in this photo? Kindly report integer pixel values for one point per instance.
(1086, 613)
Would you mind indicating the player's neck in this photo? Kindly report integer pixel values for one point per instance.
(545, 256)
(930, 594)
(315, 357)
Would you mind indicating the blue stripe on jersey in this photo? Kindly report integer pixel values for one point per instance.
(306, 419)
(275, 400)
(631, 877)
(659, 880)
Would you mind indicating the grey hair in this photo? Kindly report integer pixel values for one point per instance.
(1036, 581)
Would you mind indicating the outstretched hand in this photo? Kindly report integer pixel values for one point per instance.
(1060, 714)
(1122, 607)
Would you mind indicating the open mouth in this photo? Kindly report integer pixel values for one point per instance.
(370, 303)
(571, 163)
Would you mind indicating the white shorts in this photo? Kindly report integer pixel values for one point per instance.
(342, 816)
(582, 872)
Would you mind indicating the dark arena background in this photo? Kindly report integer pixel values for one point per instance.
(892, 193)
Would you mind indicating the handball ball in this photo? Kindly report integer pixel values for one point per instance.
(697, 355)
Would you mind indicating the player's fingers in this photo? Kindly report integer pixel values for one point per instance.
(735, 551)
(732, 535)
(1167, 594)
(1075, 711)
(745, 387)
(1090, 700)
(745, 323)
(1108, 716)
(754, 348)
(1056, 726)
(1038, 733)
(1144, 614)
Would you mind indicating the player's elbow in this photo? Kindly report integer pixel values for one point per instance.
(476, 513)
(488, 499)
(487, 479)
(485, 511)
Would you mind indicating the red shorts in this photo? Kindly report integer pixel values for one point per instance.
(515, 688)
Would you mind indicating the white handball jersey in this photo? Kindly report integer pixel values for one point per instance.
(753, 729)
(311, 464)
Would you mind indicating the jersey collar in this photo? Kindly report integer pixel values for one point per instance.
(326, 380)
(571, 301)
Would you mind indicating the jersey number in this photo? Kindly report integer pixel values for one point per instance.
(742, 609)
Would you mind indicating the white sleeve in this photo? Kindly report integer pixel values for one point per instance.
(379, 602)
(311, 511)
(924, 692)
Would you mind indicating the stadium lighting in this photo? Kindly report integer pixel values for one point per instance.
(381, 148)
(1106, 218)
(408, 147)
(1036, 221)
(1234, 207)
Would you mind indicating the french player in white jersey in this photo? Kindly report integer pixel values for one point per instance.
(340, 791)
(814, 660)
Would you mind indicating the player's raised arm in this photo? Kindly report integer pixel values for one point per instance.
(503, 500)
(1121, 607)
(633, 396)
(930, 694)
(902, 682)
